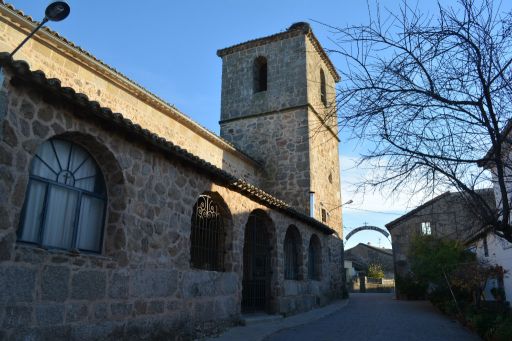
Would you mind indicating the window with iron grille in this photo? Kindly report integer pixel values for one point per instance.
(65, 201)
(260, 74)
(314, 258)
(324, 215)
(207, 236)
(291, 253)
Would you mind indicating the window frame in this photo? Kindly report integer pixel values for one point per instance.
(198, 258)
(426, 228)
(325, 215)
(49, 184)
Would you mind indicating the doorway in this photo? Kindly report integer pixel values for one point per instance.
(257, 264)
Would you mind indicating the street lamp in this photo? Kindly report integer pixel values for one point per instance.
(345, 203)
(56, 11)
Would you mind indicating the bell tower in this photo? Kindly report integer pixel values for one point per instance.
(278, 106)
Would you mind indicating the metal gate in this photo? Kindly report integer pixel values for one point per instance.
(256, 281)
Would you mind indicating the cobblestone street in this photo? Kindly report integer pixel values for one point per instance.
(379, 317)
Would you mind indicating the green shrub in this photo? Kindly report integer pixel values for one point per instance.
(482, 321)
(375, 271)
(410, 288)
(503, 331)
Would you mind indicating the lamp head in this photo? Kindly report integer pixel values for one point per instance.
(57, 11)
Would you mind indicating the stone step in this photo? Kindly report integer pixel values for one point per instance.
(250, 319)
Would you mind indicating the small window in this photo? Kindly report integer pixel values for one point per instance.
(314, 258)
(486, 247)
(324, 215)
(260, 74)
(207, 236)
(323, 91)
(425, 228)
(66, 198)
(292, 252)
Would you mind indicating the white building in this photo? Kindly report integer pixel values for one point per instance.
(491, 248)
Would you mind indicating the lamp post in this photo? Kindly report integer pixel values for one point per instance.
(55, 11)
(345, 203)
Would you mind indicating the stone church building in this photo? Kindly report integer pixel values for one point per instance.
(121, 218)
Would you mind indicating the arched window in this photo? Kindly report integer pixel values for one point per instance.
(323, 91)
(66, 198)
(260, 74)
(292, 253)
(314, 258)
(207, 235)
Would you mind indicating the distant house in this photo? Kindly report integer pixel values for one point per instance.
(446, 216)
(362, 255)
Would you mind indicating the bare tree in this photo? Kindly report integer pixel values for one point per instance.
(432, 96)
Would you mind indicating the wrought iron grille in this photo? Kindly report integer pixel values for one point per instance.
(256, 281)
(207, 236)
(291, 266)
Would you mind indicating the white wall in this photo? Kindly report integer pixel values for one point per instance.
(500, 253)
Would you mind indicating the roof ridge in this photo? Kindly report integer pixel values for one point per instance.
(126, 78)
(413, 211)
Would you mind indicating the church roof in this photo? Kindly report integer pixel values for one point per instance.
(51, 89)
(294, 30)
(388, 252)
(131, 86)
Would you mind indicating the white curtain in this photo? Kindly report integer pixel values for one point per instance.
(60, 216)
(33, 211)
(90, 223)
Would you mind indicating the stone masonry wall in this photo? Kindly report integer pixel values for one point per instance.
(325, 172)
(286, 80)
(273, 127)
(111, 90)
(141, 286)
(280, 141)
(323, 142)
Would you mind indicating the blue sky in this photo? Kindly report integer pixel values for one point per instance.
(169, 47)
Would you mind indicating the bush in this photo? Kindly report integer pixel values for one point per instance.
(375, 271)
(410, 288)
(503, 331)
(482, 321)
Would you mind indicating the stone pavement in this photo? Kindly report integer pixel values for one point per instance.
(362, 317)
(370, 317)
(256, 332)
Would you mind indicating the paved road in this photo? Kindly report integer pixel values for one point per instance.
(370, 317)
